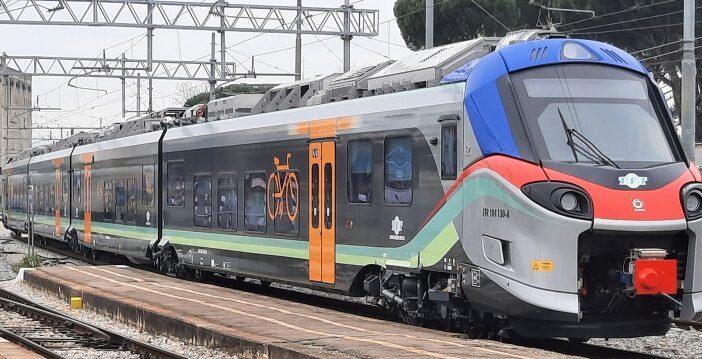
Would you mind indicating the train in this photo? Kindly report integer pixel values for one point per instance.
(528, 186)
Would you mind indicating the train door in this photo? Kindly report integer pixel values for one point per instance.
(322, 211)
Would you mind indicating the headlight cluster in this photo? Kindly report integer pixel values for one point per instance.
(691, 198)
(563, 198)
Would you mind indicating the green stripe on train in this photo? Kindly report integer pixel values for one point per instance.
(114, 229)
(427, 248)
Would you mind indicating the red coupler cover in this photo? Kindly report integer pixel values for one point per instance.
(654, 276)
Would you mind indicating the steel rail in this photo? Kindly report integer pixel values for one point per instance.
(9, 298)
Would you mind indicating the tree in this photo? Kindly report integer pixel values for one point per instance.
(459, 20)
(235, 89)
(650, 29)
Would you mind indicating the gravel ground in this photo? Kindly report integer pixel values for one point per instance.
(99, 320)
(12, 252)
(677, 343)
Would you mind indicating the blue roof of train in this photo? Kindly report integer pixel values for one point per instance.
(489, 119)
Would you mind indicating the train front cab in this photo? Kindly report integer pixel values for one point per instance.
(588, 220)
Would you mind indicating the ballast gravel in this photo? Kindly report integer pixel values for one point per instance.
(677, 343)
(12, 252)
(103, 321)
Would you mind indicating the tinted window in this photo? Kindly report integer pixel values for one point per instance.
(50, 199)
(578, 110)
(328, 215)
(255, 202)
(228, 202)
(131, 200)
(176, 184)
(398, 170)
(360, 172)
(108, 200)
(449, 151)
(77, 192)
(120, 200)
(147, 189)
(315, 195)
(65, 193)
(202, 201)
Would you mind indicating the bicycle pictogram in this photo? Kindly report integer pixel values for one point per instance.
(283, 197)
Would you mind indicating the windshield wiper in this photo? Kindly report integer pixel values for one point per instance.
(591, 151)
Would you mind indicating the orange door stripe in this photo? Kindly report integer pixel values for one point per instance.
(315, 233)
(329, 232)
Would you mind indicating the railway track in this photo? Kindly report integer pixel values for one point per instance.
(688, 325)
(57, 336)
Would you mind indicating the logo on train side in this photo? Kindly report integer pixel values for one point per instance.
(283, 193)
(396, 227)
(632, 180)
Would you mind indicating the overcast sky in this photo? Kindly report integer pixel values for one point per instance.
(88, 108)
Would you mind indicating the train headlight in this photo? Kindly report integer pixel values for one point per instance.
(692, 202)
(569, 201)
(562, 198)
(691, 198)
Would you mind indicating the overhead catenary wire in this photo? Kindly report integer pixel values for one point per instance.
(630, 20)
(630, 29)
(668, 53)
(371, 51)
(491, 15)
(633, 8)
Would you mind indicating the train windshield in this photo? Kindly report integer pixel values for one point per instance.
(593, 115)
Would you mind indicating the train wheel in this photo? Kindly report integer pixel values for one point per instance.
(478, 333)
(265, 283)
(184, 272)
(203, 276)
(578, 340)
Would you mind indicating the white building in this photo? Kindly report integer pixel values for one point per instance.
(15, 111)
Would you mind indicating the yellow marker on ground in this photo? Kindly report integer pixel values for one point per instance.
(76, 303)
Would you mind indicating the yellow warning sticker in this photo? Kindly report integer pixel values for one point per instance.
(542, 266)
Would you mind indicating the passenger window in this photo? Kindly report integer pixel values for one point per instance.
(285, 206)
(147, 189)
(449, 151)
(315, 195)
(176, 183)
(108, 200)
(228, 202)
(360, 171)
(131, 200)
(77, 193)
(328, 196)
(120, 200)
(255, 202)
(398, 170)
(65, 193)
(50, 200)
(202, 201)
